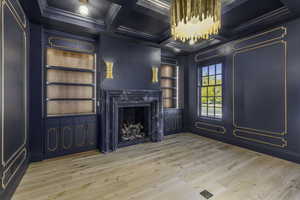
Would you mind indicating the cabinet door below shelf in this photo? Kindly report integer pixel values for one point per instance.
(66, 135)
(52, 137)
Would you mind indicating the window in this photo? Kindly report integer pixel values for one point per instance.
(210, 91)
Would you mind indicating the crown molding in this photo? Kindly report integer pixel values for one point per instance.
(136, 33)
(159, 6)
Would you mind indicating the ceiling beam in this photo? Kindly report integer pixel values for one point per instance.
(123, 12)
(112, 15)
(226, 7)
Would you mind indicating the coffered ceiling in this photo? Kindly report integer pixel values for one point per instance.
(148, 20)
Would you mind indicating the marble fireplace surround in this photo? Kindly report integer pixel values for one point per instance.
(115, 99)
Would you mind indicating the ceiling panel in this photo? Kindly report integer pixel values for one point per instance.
(249, 10)
(97, 8)
(144, 23)
(149, 19)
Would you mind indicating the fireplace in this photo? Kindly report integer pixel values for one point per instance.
(134, 125)
(130, 117)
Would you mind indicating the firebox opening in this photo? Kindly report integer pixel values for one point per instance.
(133, 125)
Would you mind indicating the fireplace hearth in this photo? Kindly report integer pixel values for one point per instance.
(134, 125)
(131, 117)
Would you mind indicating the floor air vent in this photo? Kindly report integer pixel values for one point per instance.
(206, 194)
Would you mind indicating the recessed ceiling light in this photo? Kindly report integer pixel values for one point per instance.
(83, 9)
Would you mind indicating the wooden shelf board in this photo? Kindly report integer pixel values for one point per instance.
(71, 84)
(70, 115)
(70, 99)
(69, 69)
(173, 88)
(166, 77)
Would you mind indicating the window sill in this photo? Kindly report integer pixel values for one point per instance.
(211, 119)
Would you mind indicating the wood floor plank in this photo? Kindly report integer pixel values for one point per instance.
(178, 168)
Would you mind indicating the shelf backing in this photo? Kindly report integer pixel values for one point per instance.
(61, 76)
(70, 99)
(57, 57)
(72, 92)
(70, 107)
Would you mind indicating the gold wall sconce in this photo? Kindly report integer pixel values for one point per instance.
(154, 74)
(109, 70)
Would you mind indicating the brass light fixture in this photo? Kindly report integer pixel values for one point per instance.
(192, 20)
(154, 74)
(109, 70)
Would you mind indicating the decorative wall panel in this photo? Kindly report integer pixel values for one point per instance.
(256, 98)
(260, 105)
(13, 147)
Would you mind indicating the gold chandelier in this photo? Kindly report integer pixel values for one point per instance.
(195, 19)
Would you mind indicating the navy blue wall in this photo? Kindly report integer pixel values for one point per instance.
(133, 63)
(262, 111)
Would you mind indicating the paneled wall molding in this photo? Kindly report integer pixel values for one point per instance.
(261, 138)
(6, 5)
(275, 34)
(210, 127)
(264, 39)
(20, 16)
(8, 173)
(49, 132)
(71, 44)
(284, 132)
(261, 38)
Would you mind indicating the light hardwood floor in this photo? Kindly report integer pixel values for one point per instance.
(178, 168)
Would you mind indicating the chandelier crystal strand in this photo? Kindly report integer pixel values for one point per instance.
(192, 20)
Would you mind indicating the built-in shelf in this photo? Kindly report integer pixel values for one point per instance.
(70, 83)
(70, 69)
(169, 85)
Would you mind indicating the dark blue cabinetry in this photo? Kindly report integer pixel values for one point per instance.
(173, 121)
(65, 135)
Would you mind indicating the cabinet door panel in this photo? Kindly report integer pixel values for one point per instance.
(80, 132)
(173, 121)
(91, 131)
(52, 136)
(67, 133)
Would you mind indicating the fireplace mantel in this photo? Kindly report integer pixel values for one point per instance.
(114, 99)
